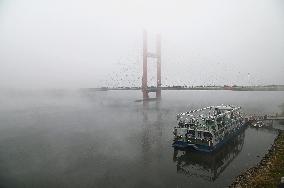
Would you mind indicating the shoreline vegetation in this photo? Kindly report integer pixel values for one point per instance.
(268, 172)
(225, 87)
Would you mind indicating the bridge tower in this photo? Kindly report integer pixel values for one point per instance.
(157, 56)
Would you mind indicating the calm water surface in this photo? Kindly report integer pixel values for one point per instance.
(106, 139)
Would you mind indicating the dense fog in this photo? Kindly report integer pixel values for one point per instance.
(79, 44)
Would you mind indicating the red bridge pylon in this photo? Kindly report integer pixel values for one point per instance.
(147, 55)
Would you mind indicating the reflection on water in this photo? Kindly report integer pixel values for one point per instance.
(105, 139)
(208, 166)
(152, 128)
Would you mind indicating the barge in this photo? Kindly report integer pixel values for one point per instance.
(207, 129)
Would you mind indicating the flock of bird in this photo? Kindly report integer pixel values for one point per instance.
(176, 71)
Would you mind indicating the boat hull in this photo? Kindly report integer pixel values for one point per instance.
(204, 148)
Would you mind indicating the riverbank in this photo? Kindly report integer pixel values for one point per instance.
(269, 171)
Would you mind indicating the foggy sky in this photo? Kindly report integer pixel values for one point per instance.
(78, 44)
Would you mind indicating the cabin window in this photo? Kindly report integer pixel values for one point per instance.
(186, 125)
(191, 125)
(191, 133)
(199, 134)
(219, 119)
(207, 135)
(209, 122)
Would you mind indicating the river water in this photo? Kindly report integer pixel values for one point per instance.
(91, 138)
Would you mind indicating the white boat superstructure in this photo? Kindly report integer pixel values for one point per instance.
(207, 128)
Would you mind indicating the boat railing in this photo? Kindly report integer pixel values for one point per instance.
(190, 113)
